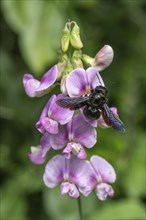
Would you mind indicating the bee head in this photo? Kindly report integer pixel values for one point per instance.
(101, 90)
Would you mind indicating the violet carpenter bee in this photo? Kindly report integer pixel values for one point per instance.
(94, 105)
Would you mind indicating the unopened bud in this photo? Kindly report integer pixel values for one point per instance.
(65, 38)
(61, 65)
(75, 37)
(104, 57)
(76, 59)
(66, 72)
(63, 84)
(89, 61)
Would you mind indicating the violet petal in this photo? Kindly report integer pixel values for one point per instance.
(58, 141)
(50, 125)
(36, 88)
(103, 169)
(94, 78)
(62, 115)
(80, 173)
(76, 82)
(83, 133)
(103, 190)
(47, 80)
(54, 171)
(37, 154)
(30, 85)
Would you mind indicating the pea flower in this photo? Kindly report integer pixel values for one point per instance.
(81, 82)
(72, 137)
(71, 174)
(102, 59)
(102, 174)
(37, 154)
(52, 115)
(36, 88)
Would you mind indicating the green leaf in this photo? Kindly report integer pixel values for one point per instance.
(39, 25)
(124, 209)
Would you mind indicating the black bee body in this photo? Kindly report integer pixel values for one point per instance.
(94, 105)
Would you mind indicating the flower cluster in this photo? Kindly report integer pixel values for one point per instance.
(69, 129)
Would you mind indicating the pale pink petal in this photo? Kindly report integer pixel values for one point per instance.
(37, 154)
(58, 141)
(81, 174)
(36, 88)
(104, 171)
(104, 57)
(70, 189)
(54, 171)
(83, 133)
(49, 125)
(76, 82)
(30, 85)
(94, 78)
(103, 190)
(62, 115)
(47, 80)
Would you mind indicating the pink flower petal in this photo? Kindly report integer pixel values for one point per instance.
(83, 133)
(62, 115)
(94, 78)
(37, 155)
(76, 82)
(58, 141)
(30, 85)
(47, 80)
(70, 189)
(104, 171)
(103, 190)
(104, 57)
(35, 88)
(50, 125)
(54, 171)
(80, 173)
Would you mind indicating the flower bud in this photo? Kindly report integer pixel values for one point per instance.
(75, 37)
(76, 59)
(66, 72)
(89, 61)
(104, 58)
(65, 38)
(61, 65)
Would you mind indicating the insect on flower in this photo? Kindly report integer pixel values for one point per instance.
(95, 105)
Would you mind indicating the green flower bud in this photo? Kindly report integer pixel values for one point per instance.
(75, 39)
(66, 72)
(89, 61)
(76, 59)
(65, 38)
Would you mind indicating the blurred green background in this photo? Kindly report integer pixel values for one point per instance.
(30, 38)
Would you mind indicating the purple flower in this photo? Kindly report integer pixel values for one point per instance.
(53, 114)
(103, 173)
(81, 82)
(71, 174)
(73, 136)
(37, 154)
(36, 88)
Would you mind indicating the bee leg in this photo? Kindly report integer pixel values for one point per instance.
(91, 112)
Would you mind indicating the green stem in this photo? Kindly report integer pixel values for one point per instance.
(80, 208)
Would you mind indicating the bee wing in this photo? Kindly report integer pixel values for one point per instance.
(72, 103)
(111, 119)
